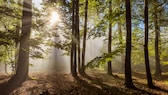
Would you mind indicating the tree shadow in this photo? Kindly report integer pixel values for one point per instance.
(154, 87)
(139, 75)
(135, 88)
(88, 87)
(96, 88)
(160, 89)
(162, 77)
(105, 89)
(7, 87)
(143, 76)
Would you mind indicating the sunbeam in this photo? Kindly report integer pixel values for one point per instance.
(54, 18)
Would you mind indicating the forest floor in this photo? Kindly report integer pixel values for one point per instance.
(96, 83)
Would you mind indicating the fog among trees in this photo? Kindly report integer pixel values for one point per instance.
(83, 47)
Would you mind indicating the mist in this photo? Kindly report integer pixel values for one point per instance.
(57, 62)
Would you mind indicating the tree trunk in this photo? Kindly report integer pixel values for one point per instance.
(149, 77)
(23, 61)
(78, 35)
(75, 41)
(84, 38)
(157, 36)
(17, 46)
(121, 45)
(128, 74)
(73, 50)
(72, 41)
(120, 36)
(109, 71)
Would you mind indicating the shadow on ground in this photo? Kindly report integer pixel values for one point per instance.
(97, 87)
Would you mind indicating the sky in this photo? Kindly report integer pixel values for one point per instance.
(37, 3)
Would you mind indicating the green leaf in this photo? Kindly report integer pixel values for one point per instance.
(165, 63)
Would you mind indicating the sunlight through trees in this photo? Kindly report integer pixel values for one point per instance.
(88, 47)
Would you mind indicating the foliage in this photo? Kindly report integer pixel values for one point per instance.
(98, 17)
(104, 58)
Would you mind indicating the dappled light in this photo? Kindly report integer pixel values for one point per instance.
(83, 47)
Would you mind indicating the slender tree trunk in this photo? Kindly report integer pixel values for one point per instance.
(109, 71)
(75, 41)
(121, 40)
(84, 37)
(74, 59)
(149, 77)
(72, 42)
(72, 54)
(78, 35)
(128, 74)
(157, 36)
(120, 34)
(121, 45)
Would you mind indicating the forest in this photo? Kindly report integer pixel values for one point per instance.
(83, 47)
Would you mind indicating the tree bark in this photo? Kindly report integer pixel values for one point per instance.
(17, 47)
(148, 72)
(23, 61)
(73, 50)
(72, 41)
(157, 36)
(78, 36)
(128, 74)
(121, 45)
(109, 71)
(120, 36)
(84, 37)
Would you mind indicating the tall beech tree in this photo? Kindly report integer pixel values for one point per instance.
(23, 61)
(148, 72)
(78, 36)
(157, 39)
(72, 41)
(73, 47)
(128, 74)
(84, 37)
(109, 70)
(120, 36)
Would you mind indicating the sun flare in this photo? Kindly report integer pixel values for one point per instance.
(54, 17)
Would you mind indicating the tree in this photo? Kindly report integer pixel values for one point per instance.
(73, 48)
(120, 34)
(157, 39)
(109, 70)
(23, 61)
(9, 20)
(128, 74)
(84, 37)
(17, 46)
(149, 77)
(78, 35)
